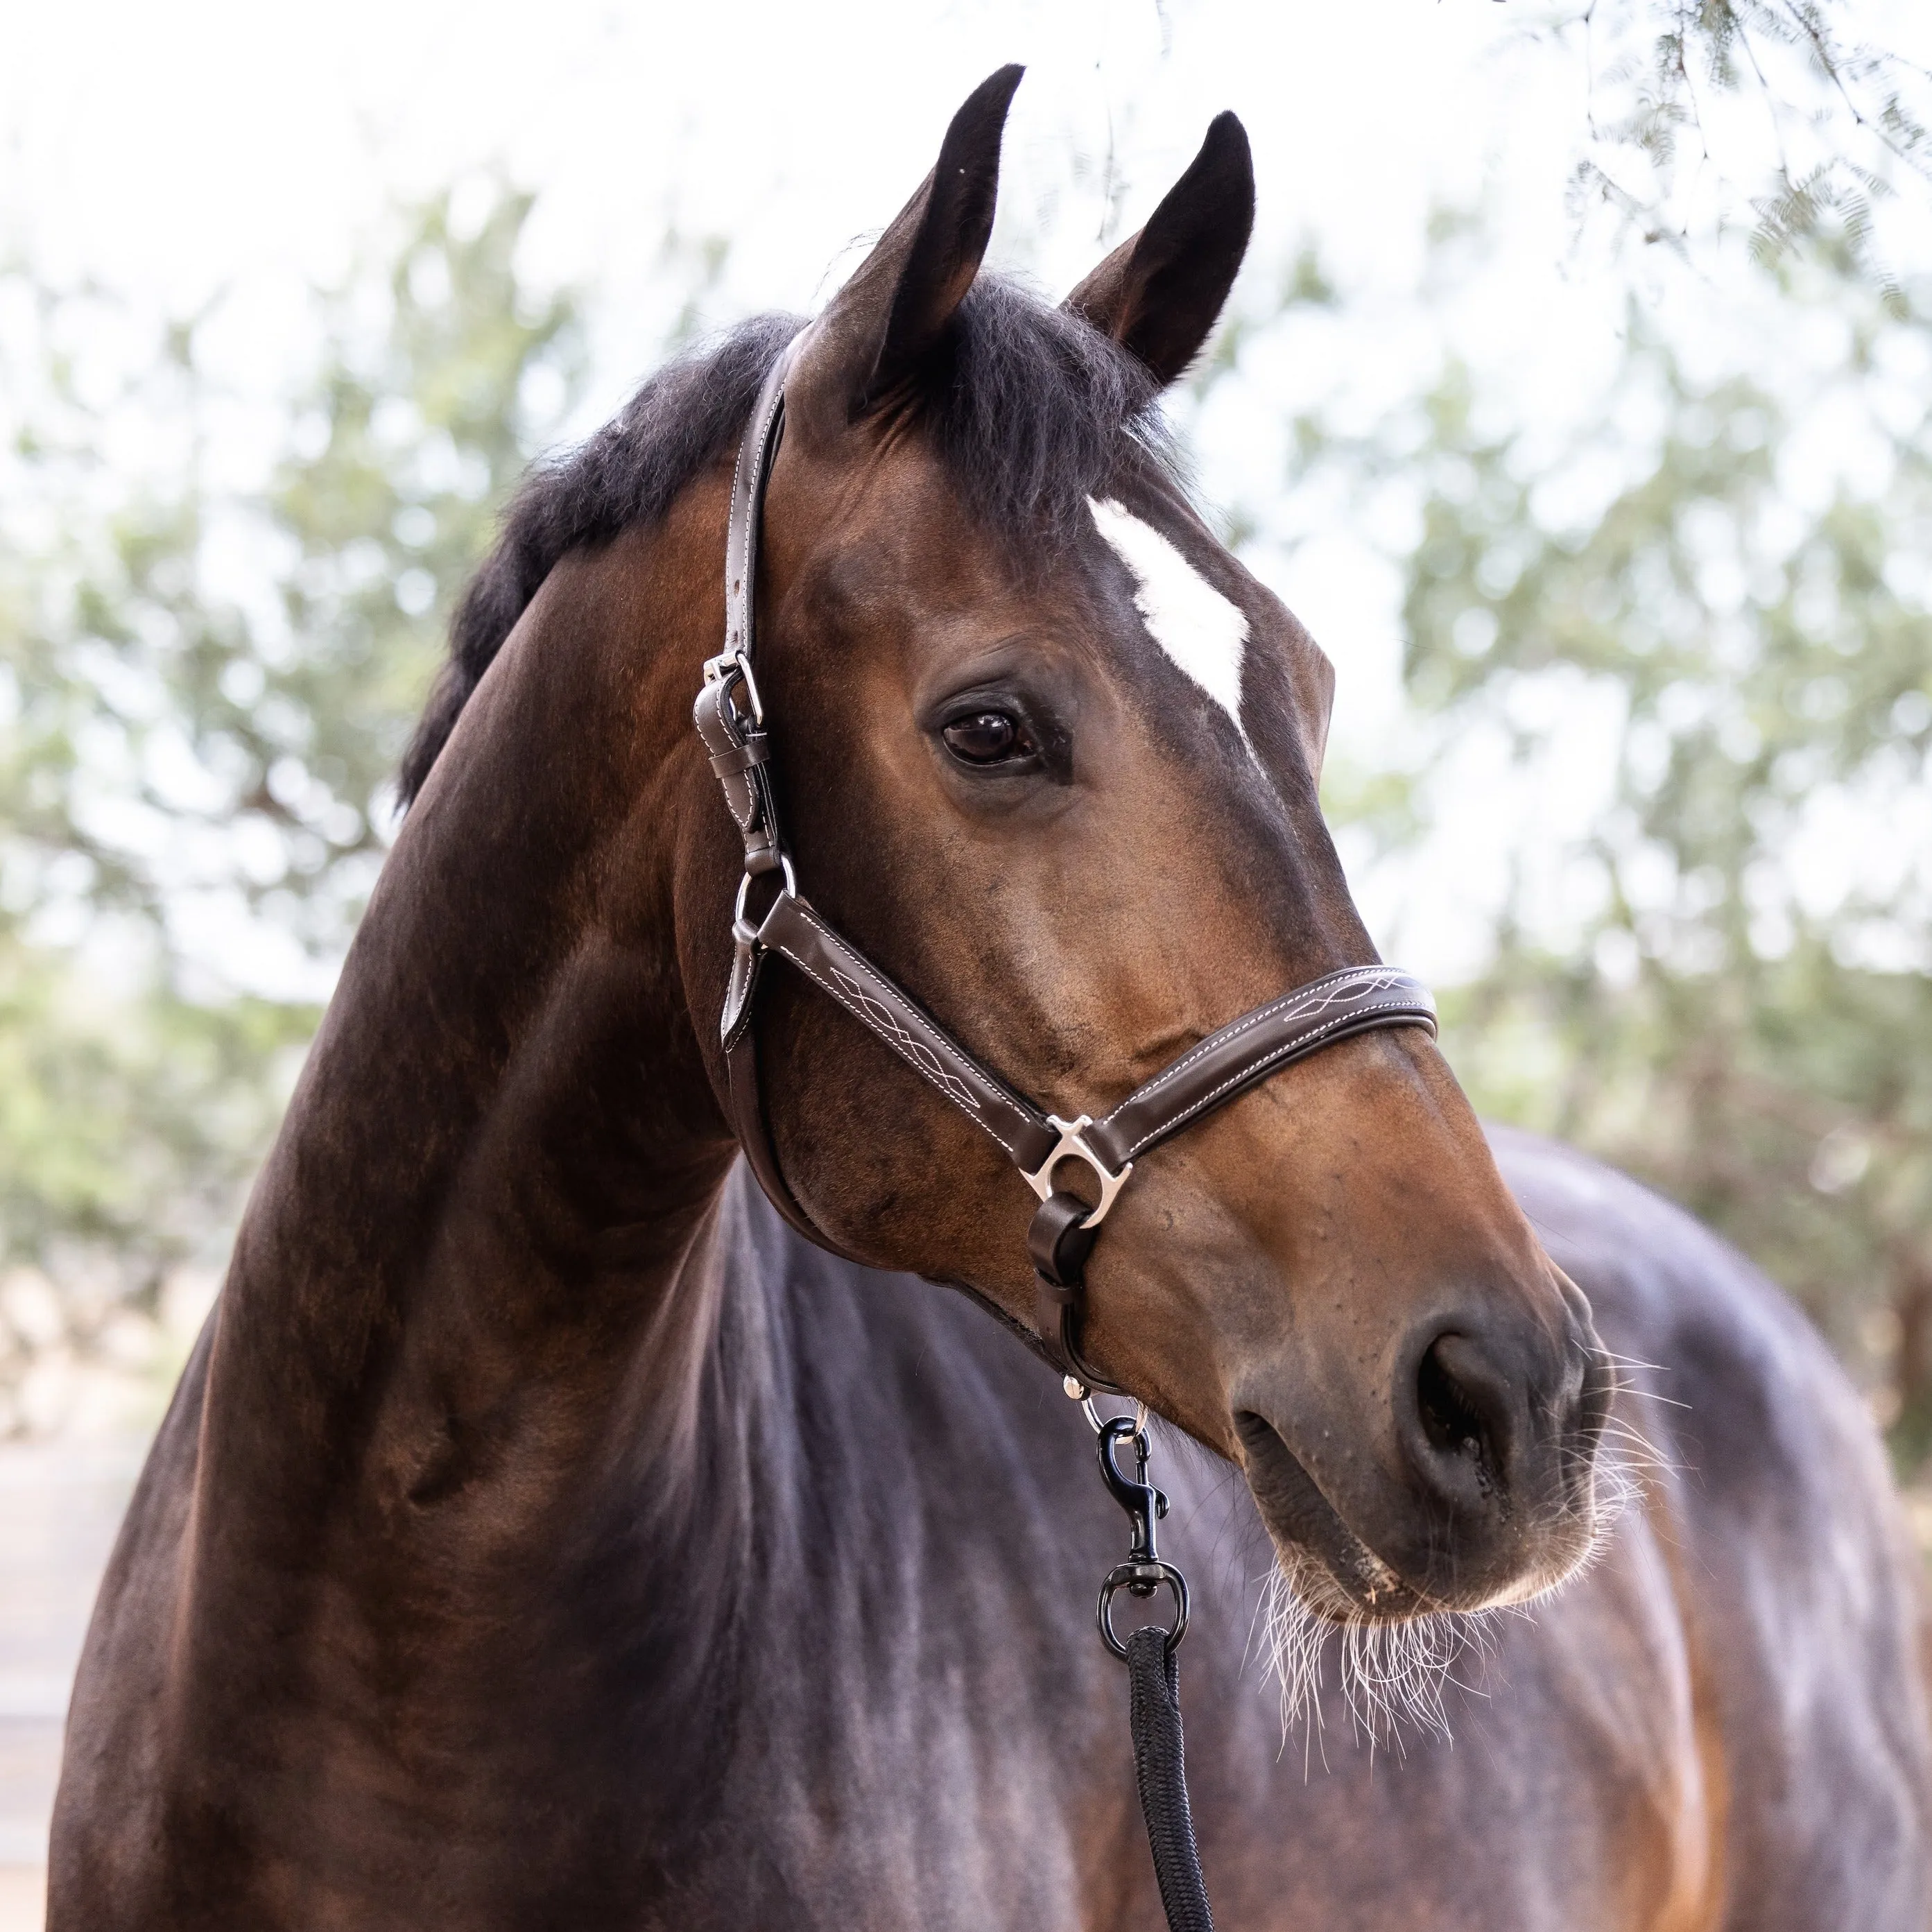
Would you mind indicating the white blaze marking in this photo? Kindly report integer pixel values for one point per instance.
(1203, 633)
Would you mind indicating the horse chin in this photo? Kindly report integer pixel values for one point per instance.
(1330, 1600)
(1338, 1578)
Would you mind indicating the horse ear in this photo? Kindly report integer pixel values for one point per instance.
(893, 312)
(1158, 294)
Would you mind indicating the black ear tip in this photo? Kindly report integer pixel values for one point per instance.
(1226, 145)
(995, 94)
(975, 130)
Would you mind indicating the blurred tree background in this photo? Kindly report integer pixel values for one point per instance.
(192, 755)
(1669, 601)
(1721, 983)
(1703, 601)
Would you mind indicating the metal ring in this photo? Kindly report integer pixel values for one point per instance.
(1099, 1423)
(1126, 1575)
(738, 928)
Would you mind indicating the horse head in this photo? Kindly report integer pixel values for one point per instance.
(1050, 754)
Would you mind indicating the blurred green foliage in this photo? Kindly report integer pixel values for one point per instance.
(1776, 116)
(204, 691)
(1722, 985)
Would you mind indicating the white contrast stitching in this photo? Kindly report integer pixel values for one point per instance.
(1293, 1048)
(1361, 976)
(908, 1046)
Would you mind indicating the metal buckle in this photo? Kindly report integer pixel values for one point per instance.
(1073, 1146)
(729, 665)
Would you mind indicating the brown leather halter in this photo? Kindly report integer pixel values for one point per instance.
(731, 717)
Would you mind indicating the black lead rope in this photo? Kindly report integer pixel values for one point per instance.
(1160, 1769)
(1153, 1678)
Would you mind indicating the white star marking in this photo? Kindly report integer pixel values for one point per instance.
(1205, 634)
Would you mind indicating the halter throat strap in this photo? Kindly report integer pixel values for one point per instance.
(773, 919)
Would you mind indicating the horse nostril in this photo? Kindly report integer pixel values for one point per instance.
(1465, 1406)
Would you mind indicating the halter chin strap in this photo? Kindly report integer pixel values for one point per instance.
(731, 717)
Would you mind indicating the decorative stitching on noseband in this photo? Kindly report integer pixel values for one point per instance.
(1324, 996)
(1301, 1042)
(944, 1083)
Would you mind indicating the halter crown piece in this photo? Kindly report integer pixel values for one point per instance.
(731, 719)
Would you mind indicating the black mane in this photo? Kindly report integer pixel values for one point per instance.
(1028, 409)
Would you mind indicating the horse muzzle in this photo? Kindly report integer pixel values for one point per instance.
(1466, 1480)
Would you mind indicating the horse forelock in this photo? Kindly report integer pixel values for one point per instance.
(1029, 408)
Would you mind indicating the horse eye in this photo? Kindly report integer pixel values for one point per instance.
(986, 738)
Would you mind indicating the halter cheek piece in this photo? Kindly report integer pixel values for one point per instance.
(731, 717)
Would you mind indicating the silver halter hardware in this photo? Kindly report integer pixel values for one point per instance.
(1073, 1146)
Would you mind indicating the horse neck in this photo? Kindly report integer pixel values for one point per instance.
(481, 1262)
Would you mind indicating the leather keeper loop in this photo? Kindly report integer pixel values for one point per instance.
(1059, 1244)
(756, 750)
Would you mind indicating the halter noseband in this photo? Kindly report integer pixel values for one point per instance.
(731, 717)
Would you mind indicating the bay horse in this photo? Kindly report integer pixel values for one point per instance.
(544, 1534)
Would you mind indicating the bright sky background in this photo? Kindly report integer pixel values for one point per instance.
(196, 145)
(213, 147)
